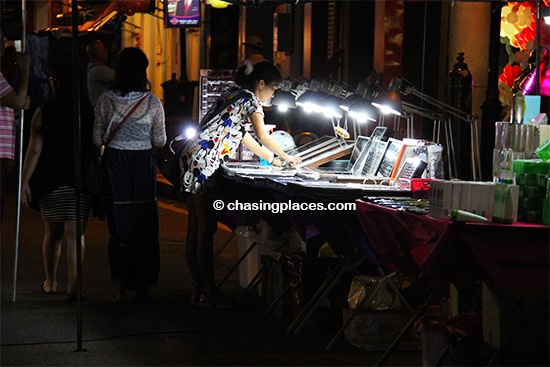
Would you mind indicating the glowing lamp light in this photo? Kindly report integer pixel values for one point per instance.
(362, 111)
(346, 103)
(283, 100)
(315, 102)
(304, 101)
(190, 132)
(331, 106)
(389, 102)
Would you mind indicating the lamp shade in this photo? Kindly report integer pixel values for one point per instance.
(331, 106)
(283, 100)
(313, 102)
(362, 111)
(388, 102)
(304, 100)
(348, 101)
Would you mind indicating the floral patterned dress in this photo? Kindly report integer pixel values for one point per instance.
(219, 138)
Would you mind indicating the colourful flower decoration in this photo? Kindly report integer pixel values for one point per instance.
(506, 83)
(515, 18)
(518, 30)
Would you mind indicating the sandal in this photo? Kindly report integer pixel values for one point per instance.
(50, 292)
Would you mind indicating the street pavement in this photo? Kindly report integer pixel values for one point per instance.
(47, 330)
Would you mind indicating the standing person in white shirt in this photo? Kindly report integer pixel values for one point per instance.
(130, 172)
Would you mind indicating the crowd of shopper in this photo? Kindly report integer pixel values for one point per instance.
(122, 126)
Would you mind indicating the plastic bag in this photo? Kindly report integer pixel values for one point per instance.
(379, 295)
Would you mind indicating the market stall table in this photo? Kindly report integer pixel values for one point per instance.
(505, 257)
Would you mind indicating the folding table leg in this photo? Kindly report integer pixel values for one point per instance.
(225, 244)
(310, 307)
(253, 283)
(278, 299)
(406, 328)
(322, 293)
(346, 323)
(239, 261)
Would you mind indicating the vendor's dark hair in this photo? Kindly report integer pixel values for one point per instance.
(263, 70)
(131, 71)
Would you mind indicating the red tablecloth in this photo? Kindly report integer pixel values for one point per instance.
(515, 256)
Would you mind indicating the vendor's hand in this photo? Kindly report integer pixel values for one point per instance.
(25, 195)
(277, 162)
(293, 160)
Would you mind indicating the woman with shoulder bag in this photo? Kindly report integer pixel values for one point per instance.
(130, 124)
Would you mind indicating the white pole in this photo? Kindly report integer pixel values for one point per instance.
(21, 120)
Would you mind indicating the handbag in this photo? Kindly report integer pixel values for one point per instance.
(171, 169)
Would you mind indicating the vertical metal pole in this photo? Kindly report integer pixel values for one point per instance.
(77, 169)
(20, 157)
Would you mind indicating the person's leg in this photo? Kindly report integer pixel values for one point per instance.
(70, 238)
(51, 251)
(191, 247)
(207, 225)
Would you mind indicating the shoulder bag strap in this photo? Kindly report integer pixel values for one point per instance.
(221, 105)
(121, 123)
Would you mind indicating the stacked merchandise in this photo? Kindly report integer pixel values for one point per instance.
(532, 177)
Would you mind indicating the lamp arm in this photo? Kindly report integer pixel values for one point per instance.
(469, 118)
(410, 108)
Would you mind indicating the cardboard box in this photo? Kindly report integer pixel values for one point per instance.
(486, 198)
(441, 192)
(515, 320)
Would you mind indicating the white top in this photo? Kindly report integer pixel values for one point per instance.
(143, 130)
